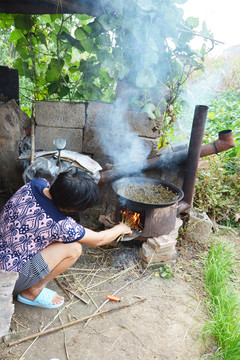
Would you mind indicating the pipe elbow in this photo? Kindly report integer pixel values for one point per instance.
(182, 207)
(224, 142)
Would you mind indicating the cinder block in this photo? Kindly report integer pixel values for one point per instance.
(139, 123)
(44, 137)
(99, 114)
(93, 140)
(60, 114)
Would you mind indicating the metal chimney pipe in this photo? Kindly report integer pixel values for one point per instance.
(193, 156)
(224, 142)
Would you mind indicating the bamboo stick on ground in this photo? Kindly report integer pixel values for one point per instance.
(114, 293)
(72, 323)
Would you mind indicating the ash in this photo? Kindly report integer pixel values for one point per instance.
(127, 254)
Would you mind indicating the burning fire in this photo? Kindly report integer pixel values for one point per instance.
(132, 219)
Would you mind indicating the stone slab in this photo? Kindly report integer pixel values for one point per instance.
(7, 283)
(60, 114)
(44, 137)
(13, 123)
(199, 227)
(158, 257)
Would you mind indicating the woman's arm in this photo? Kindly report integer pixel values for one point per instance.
(94, 238)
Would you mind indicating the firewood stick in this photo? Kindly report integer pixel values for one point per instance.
(72, 323)
(75, 294)
(63, 289)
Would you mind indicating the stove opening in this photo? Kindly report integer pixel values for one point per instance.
(131, 218)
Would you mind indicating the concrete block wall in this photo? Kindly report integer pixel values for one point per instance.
(82, 123)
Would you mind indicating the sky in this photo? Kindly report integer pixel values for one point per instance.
(222, 18)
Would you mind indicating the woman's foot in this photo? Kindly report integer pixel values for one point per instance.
(33, 292)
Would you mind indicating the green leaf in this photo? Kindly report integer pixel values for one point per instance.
(73, 69)
(211, 115)
(48, 18)
(104, 21)
(53, 71)
(109, 64)
(15, 35)
(27, 70)
(80, 34)
(18, 64)
(192, 21)
(22, 48)
(149, 109)
(52, 87)
(6, 20)
(62, 90)
(41, 38)
(52, 74)
(146, 78)
(23, 22)
(123, 72)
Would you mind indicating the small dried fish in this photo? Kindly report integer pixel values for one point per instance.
(148, 194)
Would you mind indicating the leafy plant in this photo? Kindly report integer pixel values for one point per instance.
(52, 53)
(217, 188)
(224, 113)
(217, 191)
(223, 305)
(79, 57)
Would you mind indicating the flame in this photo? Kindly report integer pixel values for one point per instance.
(131, 218)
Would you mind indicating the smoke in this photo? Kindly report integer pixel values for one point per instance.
(127, 150)
(198, 92)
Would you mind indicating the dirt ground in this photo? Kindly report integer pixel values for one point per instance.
(165, 326)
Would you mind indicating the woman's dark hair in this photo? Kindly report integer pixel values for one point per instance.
(74, 190)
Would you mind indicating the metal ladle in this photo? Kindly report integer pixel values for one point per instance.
(59, 144)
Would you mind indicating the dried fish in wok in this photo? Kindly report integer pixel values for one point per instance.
(148, 194)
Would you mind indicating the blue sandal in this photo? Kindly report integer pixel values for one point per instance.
(44, 300)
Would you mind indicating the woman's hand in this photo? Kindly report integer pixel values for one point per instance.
(125, 230)
(93, 238)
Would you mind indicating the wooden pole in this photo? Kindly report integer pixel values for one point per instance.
(32, 135)
(71, 323)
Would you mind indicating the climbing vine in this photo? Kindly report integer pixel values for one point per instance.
(77, 57)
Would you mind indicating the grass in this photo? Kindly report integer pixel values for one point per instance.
(223, 302)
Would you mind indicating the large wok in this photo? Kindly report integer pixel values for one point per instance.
(141, 181)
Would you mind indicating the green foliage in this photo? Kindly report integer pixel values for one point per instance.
(51, 59)
(78, 57)
(222, 303)
(224, 113)
(217, 191)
